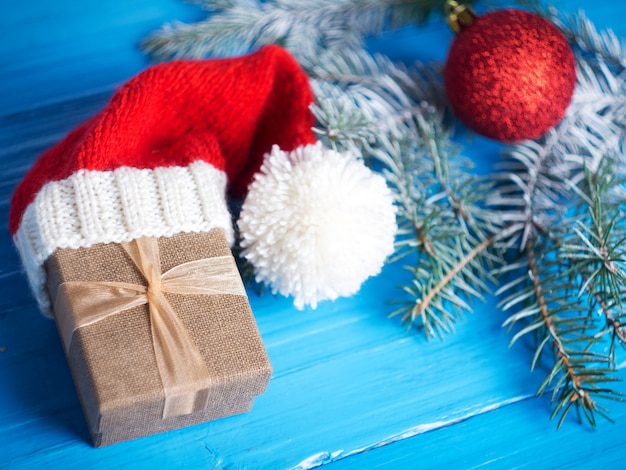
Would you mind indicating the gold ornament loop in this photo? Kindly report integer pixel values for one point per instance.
(459, 15)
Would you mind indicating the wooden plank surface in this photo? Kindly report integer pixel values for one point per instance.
(351, 388)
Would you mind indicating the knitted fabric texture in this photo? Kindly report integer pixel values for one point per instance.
(157, 160)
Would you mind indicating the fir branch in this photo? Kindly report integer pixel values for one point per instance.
(573, 390)
(597, 251)
(548, 307)
(559, 319)
(364, 96)
(579, 30)
(532, 189)
(560, 188)
(442, 222)
(476, 251)
(236, 26)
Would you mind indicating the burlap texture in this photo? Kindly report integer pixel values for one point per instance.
(113, 361)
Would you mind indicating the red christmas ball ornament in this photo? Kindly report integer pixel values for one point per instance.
(510, 74)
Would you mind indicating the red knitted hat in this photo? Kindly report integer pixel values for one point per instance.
(156, 160)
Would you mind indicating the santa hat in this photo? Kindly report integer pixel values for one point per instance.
(158, 160)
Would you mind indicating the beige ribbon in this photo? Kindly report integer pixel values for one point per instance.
(183, 371)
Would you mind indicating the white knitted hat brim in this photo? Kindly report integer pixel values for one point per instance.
(92, 207)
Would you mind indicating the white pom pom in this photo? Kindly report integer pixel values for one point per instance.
(316, 224)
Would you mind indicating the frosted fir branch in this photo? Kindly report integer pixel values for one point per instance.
(544, 303)
(402, 85)
(236, 26)
(533, 187)
(579, 30)
(350, 121)
(546, 299)
(381, 107)
(540, 175)
(578, 374)
(554, 188)
(596, 117)
(597, 250)
(558, 295)
(599, 102)
(340, 124)
(365, 96)
(442, 222)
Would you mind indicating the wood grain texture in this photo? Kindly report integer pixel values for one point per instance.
(351, 388)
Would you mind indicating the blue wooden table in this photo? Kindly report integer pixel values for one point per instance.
(351, 388)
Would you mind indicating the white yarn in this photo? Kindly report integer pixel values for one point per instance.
(91, 207)
(316, 224)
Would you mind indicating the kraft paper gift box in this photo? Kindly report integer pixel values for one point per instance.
(113, 360)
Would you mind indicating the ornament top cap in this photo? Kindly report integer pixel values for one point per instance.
(459, 15)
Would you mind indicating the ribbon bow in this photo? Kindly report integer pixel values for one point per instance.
(182, 369)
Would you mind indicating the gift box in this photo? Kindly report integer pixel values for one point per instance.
(111, 350)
